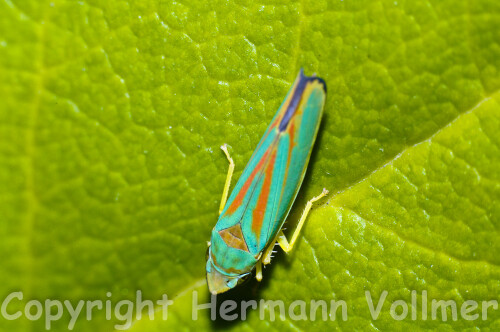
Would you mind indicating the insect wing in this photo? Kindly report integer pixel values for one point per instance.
(264, 194)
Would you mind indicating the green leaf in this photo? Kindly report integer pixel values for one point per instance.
(113, 112)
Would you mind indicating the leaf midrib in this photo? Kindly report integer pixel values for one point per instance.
(396, 156)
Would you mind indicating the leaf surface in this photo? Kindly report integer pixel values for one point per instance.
(113, 112)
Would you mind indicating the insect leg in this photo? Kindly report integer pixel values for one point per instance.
(266, 258)
(228, 178)
(287, 246)
(258, 274)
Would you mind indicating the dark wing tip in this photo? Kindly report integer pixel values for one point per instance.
(312, 78)
(320, 80)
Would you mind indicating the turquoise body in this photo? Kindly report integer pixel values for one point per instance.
(263, 196)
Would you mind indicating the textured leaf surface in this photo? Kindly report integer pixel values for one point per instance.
(111, 118)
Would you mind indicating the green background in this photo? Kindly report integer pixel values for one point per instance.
(111, 117)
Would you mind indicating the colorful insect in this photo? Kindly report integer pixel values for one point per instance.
(250, 222)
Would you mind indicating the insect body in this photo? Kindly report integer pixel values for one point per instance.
(250, 221)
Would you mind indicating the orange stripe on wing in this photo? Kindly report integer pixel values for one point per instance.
(260, 209)
(292, 143)
(238, 200)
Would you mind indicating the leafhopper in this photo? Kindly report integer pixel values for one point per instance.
(251, 220)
